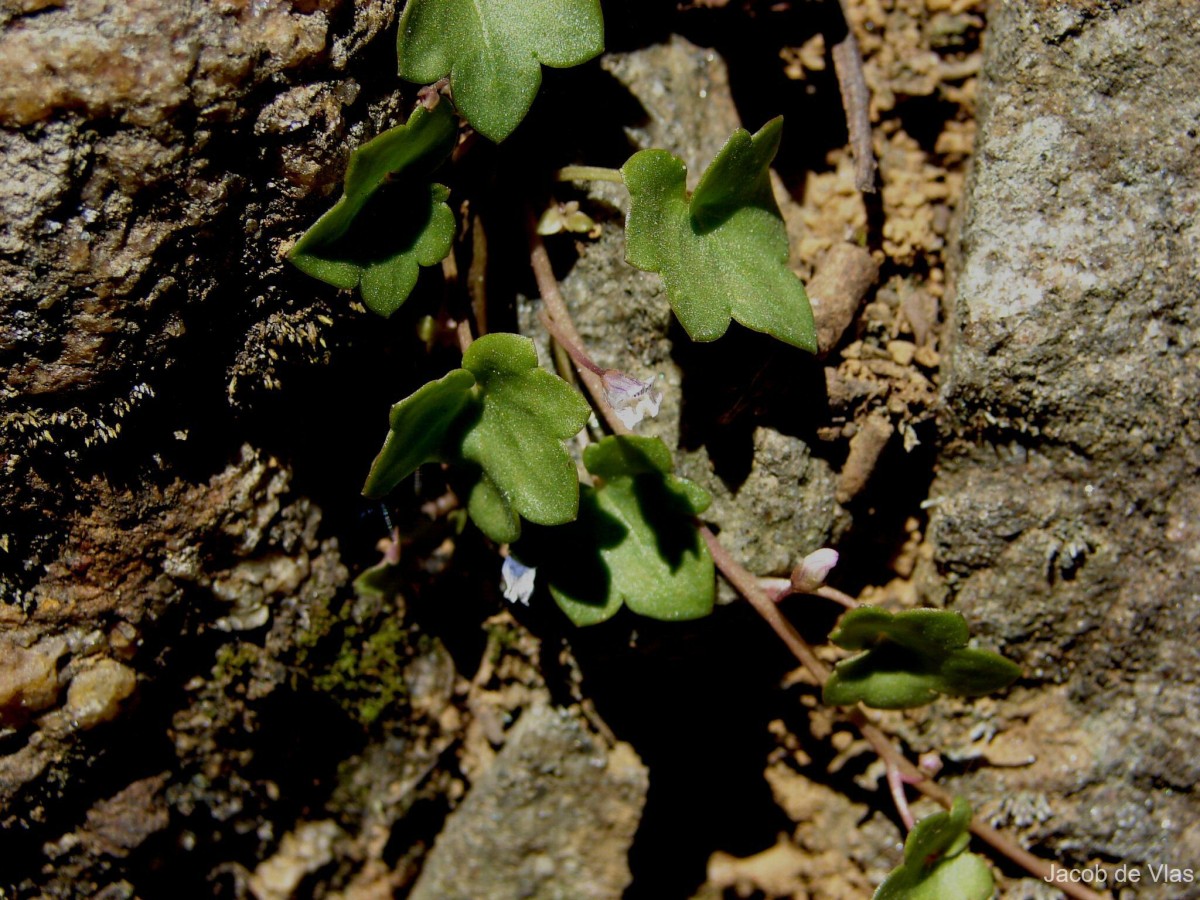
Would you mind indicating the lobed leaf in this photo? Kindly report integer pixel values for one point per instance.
(635, 542)
(508, 418)
(910, 658)
(493, 51)
(525, 415)
(419, 429)
(723, 252)
(390, 219)
(936, 864)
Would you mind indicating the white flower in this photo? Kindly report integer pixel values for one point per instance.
(518, 581)
(813, 570)
(632, 400)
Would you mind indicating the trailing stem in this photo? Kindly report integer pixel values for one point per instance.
(558, 321)
(747, 585)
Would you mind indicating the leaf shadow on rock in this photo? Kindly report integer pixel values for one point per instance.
(694, 702)
(751, 46)
(738, 383)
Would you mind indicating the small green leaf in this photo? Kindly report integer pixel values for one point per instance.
(391, 219)
(936, 865)
(635, 541)
(420, 424)
(724, 252)
(508, 418)
(525, 415)
(493, 51)
(910, 658)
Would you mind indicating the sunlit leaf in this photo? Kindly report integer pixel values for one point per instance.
(506, 417)
(936, 865)
(635, 541)
(493, 51)
(391, 219)
(723, 252)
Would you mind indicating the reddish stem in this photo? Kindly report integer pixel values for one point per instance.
(560, 316)
(747, 585)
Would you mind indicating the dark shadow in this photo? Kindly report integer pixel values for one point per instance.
(735, 384)
(899, 483)
(694, 700)
(751, 40)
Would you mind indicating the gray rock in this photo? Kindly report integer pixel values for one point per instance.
(552, 818)
(1066, 523)
(783, 506)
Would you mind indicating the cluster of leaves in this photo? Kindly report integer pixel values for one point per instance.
(722, 253)
(635, 542)
(504, 417)
(910, 658)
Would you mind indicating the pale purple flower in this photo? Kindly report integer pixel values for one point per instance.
(518, 581)
(813, 570)
(632, 400)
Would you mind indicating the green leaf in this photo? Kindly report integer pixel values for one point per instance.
(936, 865)
(635, 541)
(507, 418)
(419, 424)
(491, 513)
(493, 51)
(722, 253)
(525, 415)
(391, 219)
(910, 658)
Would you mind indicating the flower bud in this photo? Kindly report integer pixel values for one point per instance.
(812, 572)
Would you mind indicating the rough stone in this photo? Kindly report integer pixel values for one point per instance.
(28, 679)
(626, 323)
(1065, 512)
(553, 817)
(123, 129)
(96, 693)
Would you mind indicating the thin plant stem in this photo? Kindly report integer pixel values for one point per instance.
(895, 782)
(589, 173)
(832, 593)
(465, 338)
(856, 99)
(556, 310)
(747, 585)
(577, 354)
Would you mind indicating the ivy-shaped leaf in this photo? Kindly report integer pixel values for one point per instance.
(504, 416)
(391, 219)
(635, 541)
(936, 864)
(493, 51)
(525, 415)
(910, 658)
(722, 253)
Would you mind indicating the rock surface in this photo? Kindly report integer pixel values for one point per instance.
(1067, 506)
(776, 502)
(552, 818)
